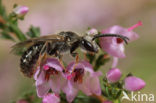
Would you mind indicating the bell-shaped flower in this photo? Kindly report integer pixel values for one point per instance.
(115, 46)
(50, 77)
(133, 83)
(81, 76)
(51, 98)
(113, 75)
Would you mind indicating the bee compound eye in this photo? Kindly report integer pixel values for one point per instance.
(88, 46)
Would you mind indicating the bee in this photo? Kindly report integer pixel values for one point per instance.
(36, 50)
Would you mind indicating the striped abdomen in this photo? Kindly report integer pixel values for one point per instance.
(29, 59)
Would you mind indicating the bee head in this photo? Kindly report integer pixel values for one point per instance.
(88, 41)
(89, 45)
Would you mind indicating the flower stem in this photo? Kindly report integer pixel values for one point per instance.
(18, 32)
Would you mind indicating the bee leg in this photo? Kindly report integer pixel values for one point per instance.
(60, 60)
(42, 58)
(85, 56)
(73, 48)
(38, 63)
(76, 62)
(62, 64)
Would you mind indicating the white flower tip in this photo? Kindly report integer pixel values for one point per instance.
(92, 31)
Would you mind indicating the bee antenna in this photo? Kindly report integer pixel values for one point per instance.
(124, 38)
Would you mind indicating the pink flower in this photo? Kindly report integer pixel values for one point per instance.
(115, 46)
(133, 83)
(113, 75)
(81, 78)
(51, 98)
(21, 10)
(51, 77)
(107, 102)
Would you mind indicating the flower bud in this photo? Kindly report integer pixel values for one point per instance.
(133, 83)
(21, 10)
(113, 75)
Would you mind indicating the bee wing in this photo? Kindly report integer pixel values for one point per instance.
(19, 48)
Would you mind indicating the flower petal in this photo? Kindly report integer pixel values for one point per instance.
(52, 62)
(84, 86)
(113, 75)
(42, 89)
(112, 47)
(87, 66)
(40, 78)
(133, 83)
(57, 82)
(70, 91)
(51, 98)
(95, 84)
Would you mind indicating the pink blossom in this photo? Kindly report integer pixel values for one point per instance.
(115, 46)
(107, 101)
(50, 77)
(92, 31)
(83, 78)
(21, 10)
(51, 98)
(133, 83)
(113, 75)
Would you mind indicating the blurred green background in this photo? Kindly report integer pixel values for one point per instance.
(77, 15)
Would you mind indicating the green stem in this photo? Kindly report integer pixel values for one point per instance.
(18, 32)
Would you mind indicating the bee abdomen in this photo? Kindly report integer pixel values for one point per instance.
(29, 59)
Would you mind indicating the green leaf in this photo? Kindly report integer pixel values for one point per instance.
(90, 57)
(13, 28)
(100, 61)
(2, 10)
(5, 35)
(118, 94)
(33, 32)
(107, 92)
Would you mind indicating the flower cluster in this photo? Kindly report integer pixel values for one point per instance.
(81, 76)
(52, 78)
(77, 77)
